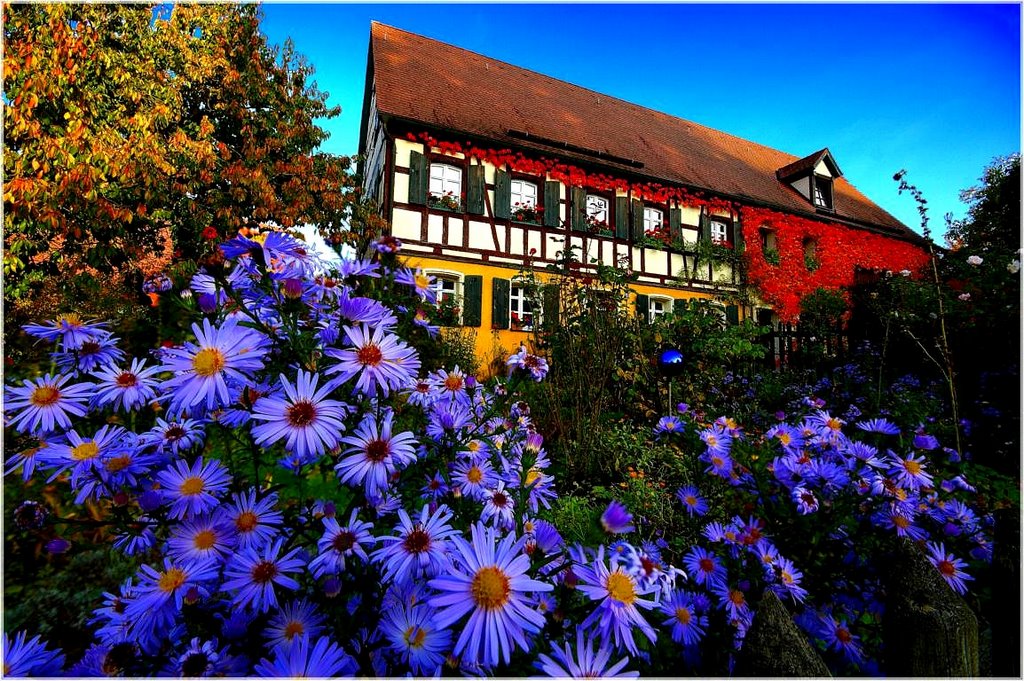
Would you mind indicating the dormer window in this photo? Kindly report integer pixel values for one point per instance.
(823, 192)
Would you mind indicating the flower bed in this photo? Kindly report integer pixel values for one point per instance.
(299, 498)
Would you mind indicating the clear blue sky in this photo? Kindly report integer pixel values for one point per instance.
(934, 89)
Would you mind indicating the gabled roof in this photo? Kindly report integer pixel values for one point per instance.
(420, 80)
(807, 164)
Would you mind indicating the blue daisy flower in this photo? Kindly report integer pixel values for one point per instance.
(420, 549)
(193, 489)
(381, 361)
(416, 639)
(586, 663)
(45, 404)
(126, 389)
(306, 657)
(340, 542)
(30, 657)
(309, 423)
(618, 595)
(253, 573)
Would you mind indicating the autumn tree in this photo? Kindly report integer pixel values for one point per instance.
(135, 133)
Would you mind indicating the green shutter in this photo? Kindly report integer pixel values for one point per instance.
(622, 217)
(732, 314)
(679, 306)
(643, 307)
(418, 178)
(675, 224)
(502, 195)
(475, 193)
(579, 209)
(737, 235)
(472, 291)
(638, 220)
(705, 226)
(550, 301)
(499, 307)
(552, 201)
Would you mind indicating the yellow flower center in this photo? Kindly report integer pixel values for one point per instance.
(901, 522)
(473, 446)
(683, 615)
(453, 383)
(44, 396)
(474, 475)
(422, 280)
(85, 451)
(369, 355)
(246, 521)
(192, 486)
(912, 467)
(171, 580)
(71, 319)
(118, 463)
(833, 424)
(204, 540)
(490, 588)
(736, 597)
(620, 587)
(414, 637)
(208, 362)
(531, 476)
(785, 438)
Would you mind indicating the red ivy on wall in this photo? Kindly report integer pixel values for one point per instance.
(572, 176)
(839, 250)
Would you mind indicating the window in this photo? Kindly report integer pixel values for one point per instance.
(523, 197)
(520, 308)
(523, 193)
(652, 219)
(657, 307)
(719, 231)
(448, 289)
(822, 192)
(597, 210)
(445, 186)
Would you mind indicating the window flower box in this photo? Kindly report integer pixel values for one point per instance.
(527, 213)
(446, 201)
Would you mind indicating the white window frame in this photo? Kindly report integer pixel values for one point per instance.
(442, 277)
(720, 235)
(520, 196)
(666, 307)
(517, 300)
(594, 212)
(444, 178)
(653, 218)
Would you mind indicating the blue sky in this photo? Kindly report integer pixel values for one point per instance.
(933, 88)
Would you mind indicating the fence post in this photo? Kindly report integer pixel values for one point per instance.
(774, 646)
(928, 629)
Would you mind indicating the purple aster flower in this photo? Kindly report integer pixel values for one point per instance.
(717, 440)
(732, 600)
(499, 507)
(253, 573)
(44, 404)
(950, 567)
(173, 436)
(616, 519)
(382, 361)
(586, 664)
(309, 423)
(29, 657)
(94, 353)
(200, 659)
(28, 458)
(205, 537)
(789, 437)
(415, 637)
(420, 549)
(69, 328)
(618, 595)
(806, 501)
(536, 366)
(449, 386)
(924, 441)
(436, 487)
(296, 618)
(473, 478)
(704, 566)
(788, 580)
(193, 490)
(388, 244)
(255, 521)
(374, 454)
(202, 369)
(419, 281)
(158, 598)
(837, 636)
(901, 518)
(668, 425)
(719, 463)
(340, 542)
(909, 473)
(687, 626)
(305, 658)
(128, 389)
(489, 584)
(883, 426)
(692, 501)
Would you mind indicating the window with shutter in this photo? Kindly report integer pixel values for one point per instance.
(552, 203)
(472, 294)
(523, 197)
(500, 303)
(445, 187)
(522, 312)
(447, 288)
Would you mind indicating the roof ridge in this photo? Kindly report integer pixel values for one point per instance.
(374, 23)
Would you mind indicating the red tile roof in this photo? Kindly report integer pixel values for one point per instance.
(423, 80)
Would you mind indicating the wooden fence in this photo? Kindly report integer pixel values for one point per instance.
(789, 345)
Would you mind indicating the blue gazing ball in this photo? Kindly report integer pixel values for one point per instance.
(670, 362)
